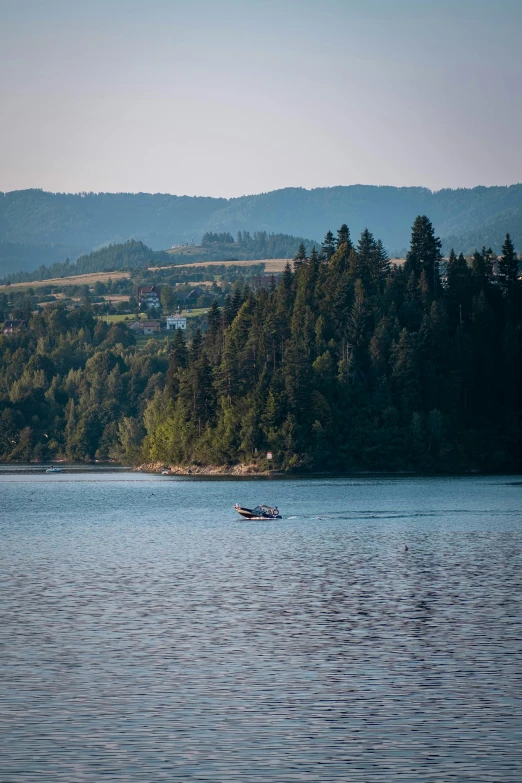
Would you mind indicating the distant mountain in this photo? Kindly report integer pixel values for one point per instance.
(37, 227)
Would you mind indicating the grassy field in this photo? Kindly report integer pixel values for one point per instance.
(89, 279)
(143, 339)
(196, 311)
(114, 319)
(271, 264)
(185, 251)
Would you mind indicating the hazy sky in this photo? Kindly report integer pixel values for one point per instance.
(227, 97)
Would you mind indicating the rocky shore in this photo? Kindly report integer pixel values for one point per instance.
(204, 470)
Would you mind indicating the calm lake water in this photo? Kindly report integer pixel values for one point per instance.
(146, 634)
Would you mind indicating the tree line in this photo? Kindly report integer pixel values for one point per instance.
(258, 245)
(346, 363)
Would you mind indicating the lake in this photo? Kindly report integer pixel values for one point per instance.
(147, 634)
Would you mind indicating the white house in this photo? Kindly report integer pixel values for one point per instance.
(148, 297)
(176, 322)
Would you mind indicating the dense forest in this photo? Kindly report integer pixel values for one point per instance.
(346, 363)
(43, 228)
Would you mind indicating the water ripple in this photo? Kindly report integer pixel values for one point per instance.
(150, 639)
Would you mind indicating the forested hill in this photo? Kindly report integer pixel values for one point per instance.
(37, 227)
(128, 255)
(347, 363)
(133, 254)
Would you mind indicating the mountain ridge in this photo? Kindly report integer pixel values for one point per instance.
(38, 227)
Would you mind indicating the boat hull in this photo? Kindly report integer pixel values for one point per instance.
(248, 513)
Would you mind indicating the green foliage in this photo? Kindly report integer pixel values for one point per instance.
(347, 363)
(352, 364)
(71, 386)
(424, 255)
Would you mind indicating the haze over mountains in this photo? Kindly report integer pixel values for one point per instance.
(37, 227)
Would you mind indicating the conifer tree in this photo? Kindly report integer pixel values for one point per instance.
(459, 291)
(237, 299)
(508, 263)
(214, 319)
(328, 246)
(177, 361)
(425, 253)
(482, 268)
(228, 311)
(312, 273)
(372, 262)
(213, 336)
(343, 238)
(300, 258)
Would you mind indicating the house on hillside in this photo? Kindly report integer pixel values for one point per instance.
(148, 297)
(176, 322)
(151, 327)
(145, 327)
(192, 297)
(10, 327)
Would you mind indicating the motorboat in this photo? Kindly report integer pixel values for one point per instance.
(54, 470)
(259, 512)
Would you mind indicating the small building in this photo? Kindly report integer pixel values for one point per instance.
(192, 297)
(10, 327)
(176, 322)
(137, 327)
(151, 327)
(148, 297)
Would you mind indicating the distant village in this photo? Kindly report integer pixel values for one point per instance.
(146, 310)
(149, 300)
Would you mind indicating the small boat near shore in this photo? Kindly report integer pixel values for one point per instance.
(52, 469)
(259, 512)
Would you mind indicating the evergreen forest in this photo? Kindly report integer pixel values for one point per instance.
(347, 363)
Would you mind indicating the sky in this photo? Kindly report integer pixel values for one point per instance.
(233, 97)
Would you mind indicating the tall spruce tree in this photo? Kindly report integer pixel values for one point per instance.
(343, 237)
(328, 246)
(300, 258)
(459, 290)
(508, 263)
(177, 361)
(482, 268)
(425, 254)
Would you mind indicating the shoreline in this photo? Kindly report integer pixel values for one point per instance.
(242, 470)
